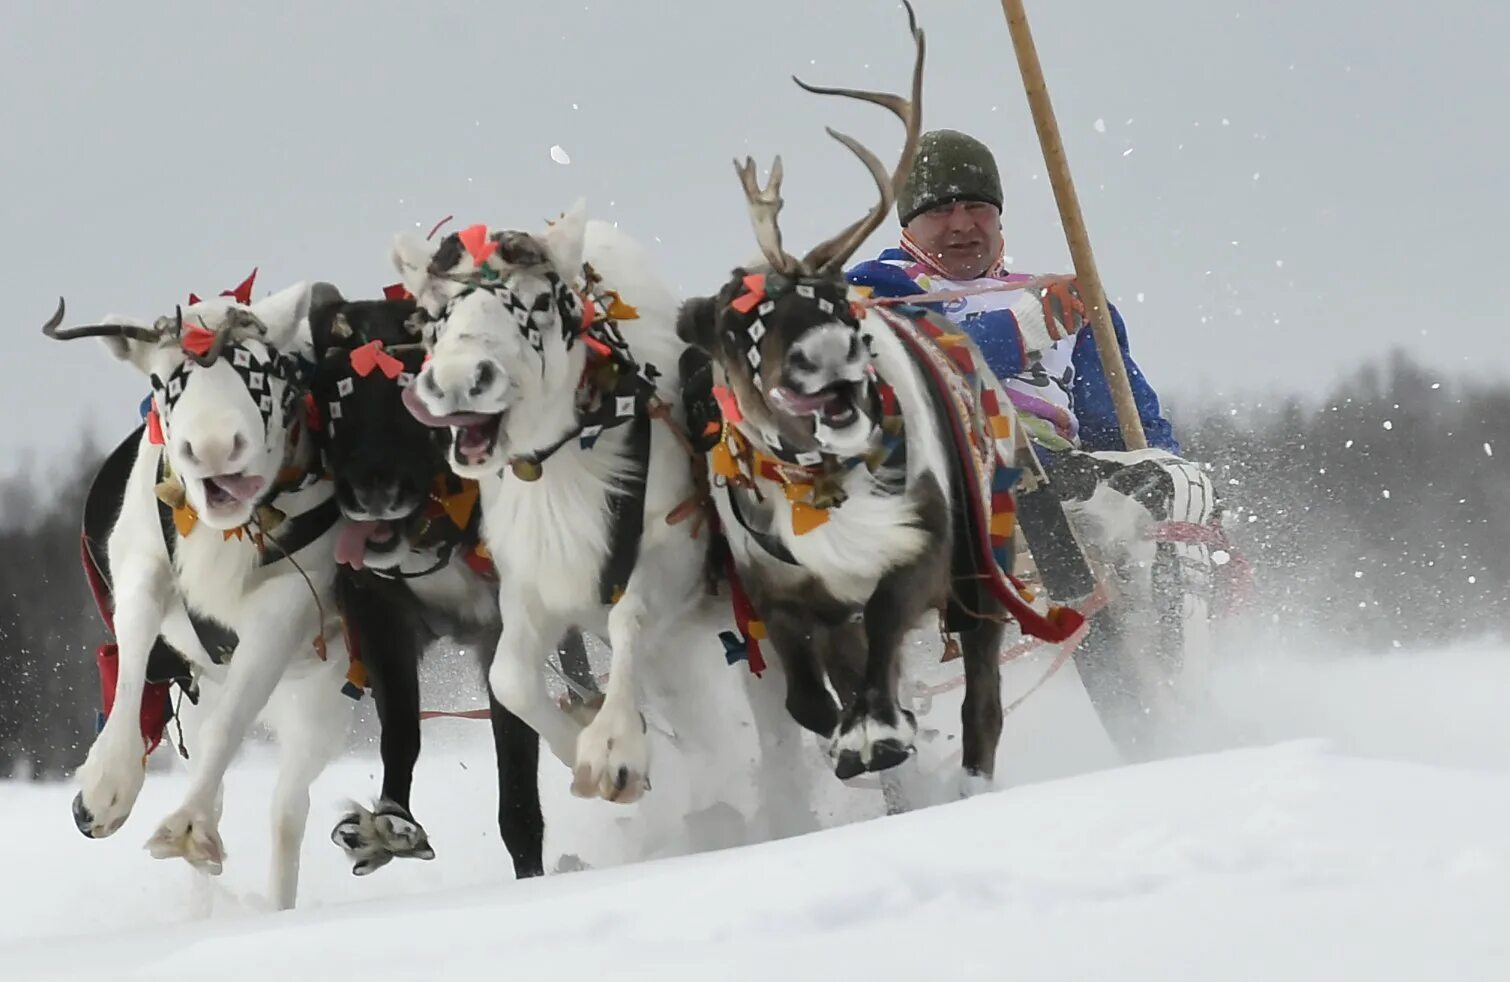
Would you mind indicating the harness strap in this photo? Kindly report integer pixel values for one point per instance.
(627, 517)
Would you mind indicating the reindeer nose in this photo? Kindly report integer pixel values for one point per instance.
(216, 454)
(485, 380)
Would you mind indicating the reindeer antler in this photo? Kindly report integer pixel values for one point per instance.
(765, 204)
(833, 253)
(52, 330)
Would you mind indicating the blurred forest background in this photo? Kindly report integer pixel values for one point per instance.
(1369, 515)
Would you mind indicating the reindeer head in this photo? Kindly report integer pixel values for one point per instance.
(383, 460)
(225, 380)
(501, 321)
(784, 333)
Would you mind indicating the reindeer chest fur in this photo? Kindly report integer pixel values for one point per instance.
(552, 536)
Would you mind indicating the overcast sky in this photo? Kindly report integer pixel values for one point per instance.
(1275, 189)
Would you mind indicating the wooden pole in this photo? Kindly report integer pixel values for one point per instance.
(1086, 272)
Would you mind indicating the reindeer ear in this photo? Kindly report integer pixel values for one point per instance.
(563, 239)
(282, 314)
(413, 258)
(696, 322)
(325, 302)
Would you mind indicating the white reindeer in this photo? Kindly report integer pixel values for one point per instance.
(552, 419)
(226, 519)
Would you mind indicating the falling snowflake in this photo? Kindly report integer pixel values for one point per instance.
(1099, 126)
(1488, 450)
(1389, 425)
(559, 155)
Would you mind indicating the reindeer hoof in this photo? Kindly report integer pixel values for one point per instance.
(870, 744)
(372, 839)
(613, 759)
(109, 782)
(191, 836)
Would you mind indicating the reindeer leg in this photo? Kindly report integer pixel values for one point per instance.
(112, 774)
(390, 650)
(980, 713)
(313, 722)
(279, 617)
(613, 752)
(516, 673)
(876, 732)
(516, 749)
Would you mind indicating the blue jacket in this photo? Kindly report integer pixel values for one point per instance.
(996, 334)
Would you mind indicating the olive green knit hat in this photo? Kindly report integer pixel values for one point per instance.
(950, 166)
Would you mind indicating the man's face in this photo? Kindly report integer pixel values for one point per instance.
(963, 238)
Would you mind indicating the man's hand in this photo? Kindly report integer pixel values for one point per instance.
(1063, 309)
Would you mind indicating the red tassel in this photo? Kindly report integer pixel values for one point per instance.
(242, 293)
(478, 245)
(754, 293)
(154, 427)
(397, 291)
(198, 340)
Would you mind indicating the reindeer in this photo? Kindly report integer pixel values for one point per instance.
(410, 572)
(841, 495)
(549, 373)
(222, 548)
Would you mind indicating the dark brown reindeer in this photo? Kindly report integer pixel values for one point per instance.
(835, 482)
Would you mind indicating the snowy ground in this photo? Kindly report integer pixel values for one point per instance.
(1338, 818)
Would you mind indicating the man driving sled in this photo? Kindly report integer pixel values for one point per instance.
(1035, 343)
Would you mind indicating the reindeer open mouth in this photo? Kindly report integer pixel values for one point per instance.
(836, 405)
(474, 436)
(225, 493)
(361, 541)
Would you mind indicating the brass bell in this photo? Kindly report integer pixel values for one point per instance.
(269, 518)
(526, 469)
(170, 491)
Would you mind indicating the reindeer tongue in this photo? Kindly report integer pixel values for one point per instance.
(242, 487)
(351, 546)
(416, 407)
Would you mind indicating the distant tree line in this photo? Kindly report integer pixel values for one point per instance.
(1375, 517)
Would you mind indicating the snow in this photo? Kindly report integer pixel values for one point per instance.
(559, 155)
(1334, 818)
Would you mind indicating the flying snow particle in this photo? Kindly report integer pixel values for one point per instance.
(1348, 445)
(1127, 151)
(574, 105)
(1226, 121)
(1473, 579)
(1357, 574)
(1389, 425)
(1255, 175)
(1386, 493)
(1436, 385)
(1252, 518)
(1140, 297)
(1279, 264)
(1099, 126)
(1221, 557)
(558, 155)
(1488, 450)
